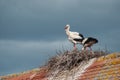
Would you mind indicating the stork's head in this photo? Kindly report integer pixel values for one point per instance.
(67, 27)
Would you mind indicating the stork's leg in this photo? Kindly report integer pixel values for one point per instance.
(90, 48)
(84, 48)
(74, 46)
(91, 51)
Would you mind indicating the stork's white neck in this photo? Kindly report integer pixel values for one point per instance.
(67, 31)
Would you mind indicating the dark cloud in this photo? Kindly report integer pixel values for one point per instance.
(23, 23)
(36, 19)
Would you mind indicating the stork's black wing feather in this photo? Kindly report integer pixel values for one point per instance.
(91, 39)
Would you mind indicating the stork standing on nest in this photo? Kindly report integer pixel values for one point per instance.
(88, 42)
(73, 37)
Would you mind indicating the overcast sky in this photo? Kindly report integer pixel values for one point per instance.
(32, 30)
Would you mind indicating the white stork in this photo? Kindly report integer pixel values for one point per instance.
(88, 42)
(73, 37)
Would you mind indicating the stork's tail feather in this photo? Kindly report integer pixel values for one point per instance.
(81, 35)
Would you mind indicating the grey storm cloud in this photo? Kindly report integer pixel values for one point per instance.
(32, 30)
(22, 19)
